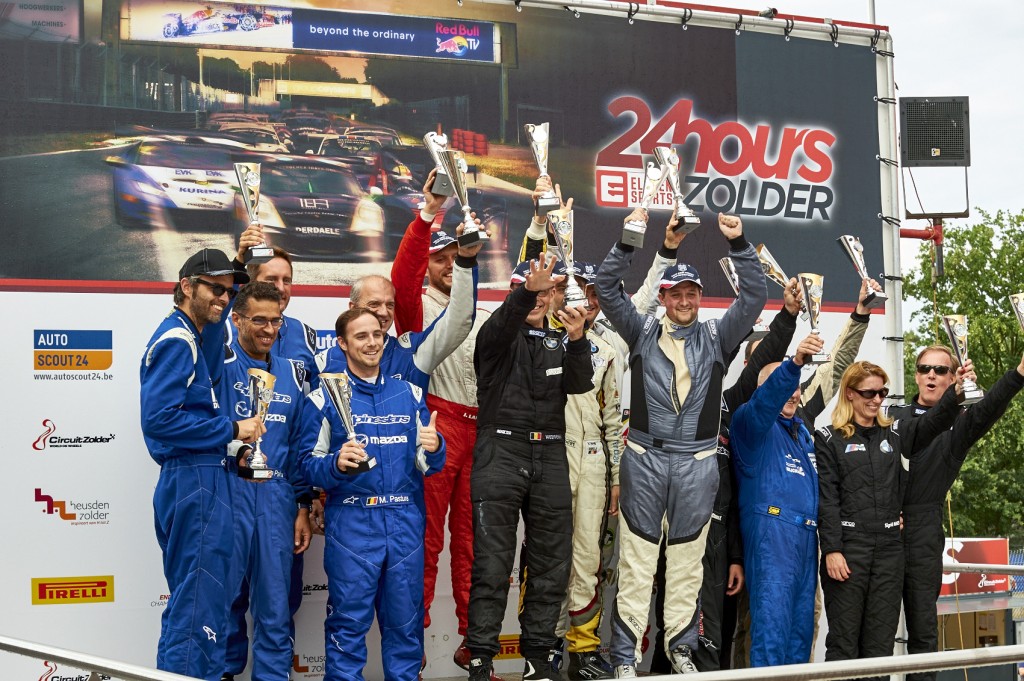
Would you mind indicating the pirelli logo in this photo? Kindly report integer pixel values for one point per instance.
(72, 590)
(508, 647)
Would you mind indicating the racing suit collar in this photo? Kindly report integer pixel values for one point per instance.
(675, 331)
(365, 386)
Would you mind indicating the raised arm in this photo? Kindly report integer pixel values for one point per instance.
(410, 264)
(972, 425)
(617, 307)
(918, 433)
(742, 314)
(820, 388)
(755, 418)
(645, 300)
(452, 326)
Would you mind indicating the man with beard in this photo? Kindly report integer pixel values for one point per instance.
(186, 434)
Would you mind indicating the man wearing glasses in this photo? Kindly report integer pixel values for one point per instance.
(272, 519)
(930, 480)
(186, 433)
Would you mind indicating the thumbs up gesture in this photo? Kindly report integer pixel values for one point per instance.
(429, 439)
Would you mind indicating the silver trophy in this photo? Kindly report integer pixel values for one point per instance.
(539, 140)
(812, 287)
(759, 330)
(435, 144)
(455, 166)
(633, 230)
(773, 272)
(249, 187)
(562, 226)
(261, 395)
(338, 388)
(956, 329)
(688, 220)
(855, 250)
(1017, 303)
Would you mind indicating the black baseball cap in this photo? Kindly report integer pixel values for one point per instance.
(213, 263)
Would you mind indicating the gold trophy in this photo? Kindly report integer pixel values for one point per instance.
(1017, 303)
(435, 143)
(855, 250)
(562, 227)
(956, 329)
(773, 272)
(539, 142)
(249, 187)
(812, 287)
(759, 331)
(633, 230)
(261, 395)
(455, 166)
(338, 388)
(688, 220)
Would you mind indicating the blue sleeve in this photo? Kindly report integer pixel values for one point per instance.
(319, 444)
(165, 384)
(617, 306)
(753, 420)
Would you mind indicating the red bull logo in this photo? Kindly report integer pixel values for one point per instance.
(456, 46)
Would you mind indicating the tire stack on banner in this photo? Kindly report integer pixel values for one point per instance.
(469, 142)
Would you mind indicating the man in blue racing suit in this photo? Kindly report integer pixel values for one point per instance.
(773, 453)
(186, 434)
(271, 519)
(375, 519)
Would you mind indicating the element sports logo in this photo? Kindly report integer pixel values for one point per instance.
(48, 439)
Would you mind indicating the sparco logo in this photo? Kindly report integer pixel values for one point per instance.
(737, 167)
(76, 512)
(53, 673)
(48, 438)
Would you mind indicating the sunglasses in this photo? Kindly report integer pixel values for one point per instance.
(937, 368)
(218, 289)
(871, 394)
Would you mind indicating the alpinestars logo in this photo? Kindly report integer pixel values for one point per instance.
(48, 438)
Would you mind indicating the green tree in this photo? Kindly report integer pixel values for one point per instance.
(983, 266)
(308, 67)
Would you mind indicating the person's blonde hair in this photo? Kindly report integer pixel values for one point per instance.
(842, 415)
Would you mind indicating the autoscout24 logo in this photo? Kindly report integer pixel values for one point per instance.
(90, 512)
(72, 590)
(761, 170)
(66, 354)
(49, 438)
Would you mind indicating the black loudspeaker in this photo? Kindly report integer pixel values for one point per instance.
(936, 132)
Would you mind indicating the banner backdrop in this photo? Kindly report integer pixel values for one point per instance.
(783, 133)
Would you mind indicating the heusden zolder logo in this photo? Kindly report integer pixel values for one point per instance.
(72, 590)
(49, 438)
(88, 512)
(54, 672)
(72, 354)
(309, 666)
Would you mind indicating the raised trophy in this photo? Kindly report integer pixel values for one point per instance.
(561, 225)
(773, 272)
(956, 329)
(455, 166)
(812, 287)
(435, 144)
(261, 395)
(538, 137)
(249, 187)
(654, 176)
(338, 388)
(759, 331)
(1017, 303)
(855, 250)
(688, 220)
